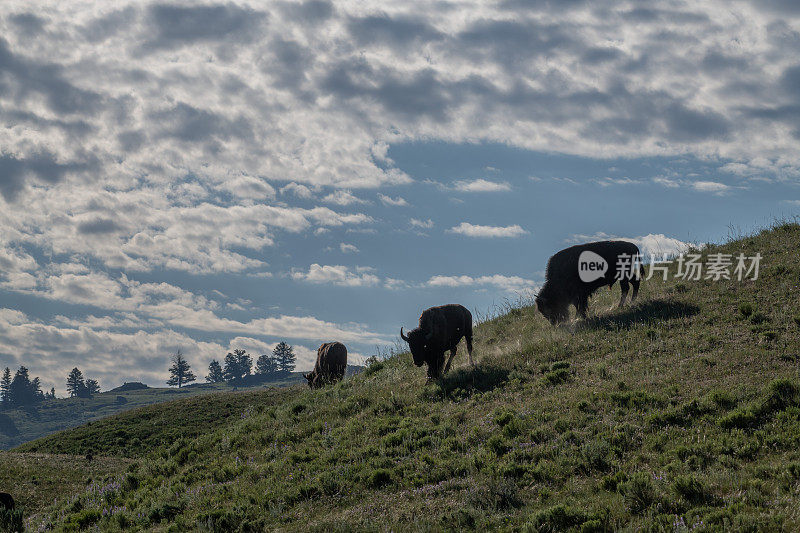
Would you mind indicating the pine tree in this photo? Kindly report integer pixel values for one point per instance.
(284, 356)
(244, 362)
(266, 364)
(180, 371)
(237, 365)
(231, 367)
(22, 390)
(215, 374)
(75, 385)
(52, 393)
(5, 388)
(92, 386)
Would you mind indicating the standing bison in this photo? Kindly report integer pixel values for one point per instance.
(330, 366)
(575, 273)
(440, 329)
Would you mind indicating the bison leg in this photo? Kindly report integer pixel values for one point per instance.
(635, 283)
(450, 359)
(623, 284)
(582, 305)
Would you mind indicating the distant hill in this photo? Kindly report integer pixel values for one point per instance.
(21, 425)
(130, 385)
(680, 413)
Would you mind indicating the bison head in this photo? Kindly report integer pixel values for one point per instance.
(419, 343)
(552, 307)
(313, 379)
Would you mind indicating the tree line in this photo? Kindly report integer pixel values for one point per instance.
(21, 389)
(236, 365)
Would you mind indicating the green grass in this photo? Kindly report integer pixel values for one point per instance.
(679, 413)
(21, 425)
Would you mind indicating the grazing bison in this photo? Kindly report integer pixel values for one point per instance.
(6, 501)
(330, 366)
(440, 329)
(573, 274)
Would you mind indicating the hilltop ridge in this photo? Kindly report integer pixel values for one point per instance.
(680, 412)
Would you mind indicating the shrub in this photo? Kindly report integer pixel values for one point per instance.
(741, 418)
(84, 518)
(501, 418)
(557, 376)
(691, 489)
(496, 493)
(639, 492)
(612, 482)
(781, 394)
(722, 399)
(374, 366)
(11, 520)
(563, 517)
(758, 318)
(596, 455)
(746, 309)
(379, 478)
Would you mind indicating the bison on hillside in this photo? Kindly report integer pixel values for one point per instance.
(575, 273)
(330, 366)
(440, 329)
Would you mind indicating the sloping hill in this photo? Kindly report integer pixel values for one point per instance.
(680, 413)
(24, 424)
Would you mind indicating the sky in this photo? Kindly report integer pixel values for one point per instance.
(211, 176)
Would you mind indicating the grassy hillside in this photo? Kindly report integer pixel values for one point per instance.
(680, 413)
(32, 422)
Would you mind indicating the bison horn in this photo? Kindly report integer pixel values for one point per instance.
(401, 334)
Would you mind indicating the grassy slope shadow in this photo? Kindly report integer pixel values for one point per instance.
(465, 381)
(649, 311)
(7, 426)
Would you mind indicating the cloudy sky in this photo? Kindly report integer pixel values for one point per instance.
(210, 176)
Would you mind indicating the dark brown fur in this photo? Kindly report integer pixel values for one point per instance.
(330, 366)
(563, 286)
(6, 501)
(440, 329)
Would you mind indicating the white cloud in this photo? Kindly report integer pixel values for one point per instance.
(248, 187)
(51, 350)
(343, 197)
(652, 245)
(666, 182)
(472, 230)
(422, 224)
(506, 283)
(338, 275)
(711, 186)
(481, 185)
(395, 202)
(608, 181)
(346, 248)
(301, 191)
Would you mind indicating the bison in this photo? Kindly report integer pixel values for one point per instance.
(440, 329)
(575, 273)
(6, 501)
(330, 366)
